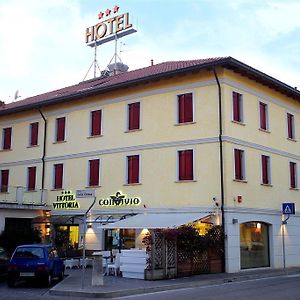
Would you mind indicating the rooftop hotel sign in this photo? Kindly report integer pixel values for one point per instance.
(109, 29)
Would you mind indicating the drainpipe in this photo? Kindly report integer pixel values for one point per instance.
(221, 165)
(44, 152)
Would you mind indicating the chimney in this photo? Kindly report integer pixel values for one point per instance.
(2, 103)
(152, 62)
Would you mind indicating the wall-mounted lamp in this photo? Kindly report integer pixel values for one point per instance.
(89, 225)
(47, 226)
(235, 221)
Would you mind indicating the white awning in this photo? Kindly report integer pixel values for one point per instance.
(155, 221)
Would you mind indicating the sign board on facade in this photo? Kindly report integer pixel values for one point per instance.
(66, 200)
(120, 200)
(85, 194)
(288, 208)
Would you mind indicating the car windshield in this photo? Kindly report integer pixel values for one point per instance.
(29, 252)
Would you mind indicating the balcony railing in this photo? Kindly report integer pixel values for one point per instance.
(21, 196)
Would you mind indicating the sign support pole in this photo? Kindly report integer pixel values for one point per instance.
(283, 243)
(84, 242)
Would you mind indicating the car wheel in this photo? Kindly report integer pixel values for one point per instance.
(11, 283)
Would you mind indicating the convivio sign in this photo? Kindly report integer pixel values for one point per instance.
(117, 25)
(66, 200)
(120, 200)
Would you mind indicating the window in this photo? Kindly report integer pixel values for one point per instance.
(237, 104)
(133, 169)
(263, 115)
(265, 169)
(185, 108)
(60, 129)
(6, 141)
(31, 178)
(34, 130)
(186, 165)
(94, 166)
(293, 175)
(290, 126)
(58, 176)
(4, 181)
(96, 118)
(134, 116)
(239, 164)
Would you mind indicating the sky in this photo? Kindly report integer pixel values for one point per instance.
(42, 42)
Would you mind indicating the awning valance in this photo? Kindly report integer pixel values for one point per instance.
(155, 221)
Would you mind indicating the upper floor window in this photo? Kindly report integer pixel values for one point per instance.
(58, 176)
(134, 116)
(94, 169)
(186, 165)
(133, 169)
(96, 122)
(265, 169)
(239, 164)
(290, 126)
(60, 129)
(263, 116)
(6, 138)
(237, 106)
(31, 178)
(293, 175)
(33, 134)
(185, 108)
(4, 181)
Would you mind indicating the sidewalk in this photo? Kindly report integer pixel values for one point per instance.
(118, 286)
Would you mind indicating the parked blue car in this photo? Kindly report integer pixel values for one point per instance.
(37, 262)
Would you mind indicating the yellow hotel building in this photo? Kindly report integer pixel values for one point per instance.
(213, 140)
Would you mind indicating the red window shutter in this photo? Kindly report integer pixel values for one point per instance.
(263, 115)
(134, 116)
(94, 172)
(236, 98)
(31, 178)
(186, 165)
(34, 129)
(96, 122)
(185, 108)
(293, 175)
(265, 169)
(4, 181)
(238, 164)
(7, 138)
(60, 129)
(58, 176)
(290, 123)
(133, 165)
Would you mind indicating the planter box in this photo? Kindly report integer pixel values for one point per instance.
(159, 274)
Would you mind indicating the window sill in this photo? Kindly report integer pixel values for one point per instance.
(292, 140)
(30, 191)
(240, 180)
(264, 130)
(185, 181)
(59, 142)
(266, 184)
(185, 123)
(57, 190)
(294, 189)
(131, 184)
(132, 130)
(4, 193)
(94, 136)
(93, 186)
(33, 146)
(5, 150)
(238, 123)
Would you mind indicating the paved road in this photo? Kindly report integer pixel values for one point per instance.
(277, 288)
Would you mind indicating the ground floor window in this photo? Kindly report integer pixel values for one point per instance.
(70, 233)
(254, 245)
(120, 239)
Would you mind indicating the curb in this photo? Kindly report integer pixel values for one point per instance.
(147, 290)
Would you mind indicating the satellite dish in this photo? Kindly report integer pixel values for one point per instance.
(17, 95)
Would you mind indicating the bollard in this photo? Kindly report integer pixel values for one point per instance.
(97, 273)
